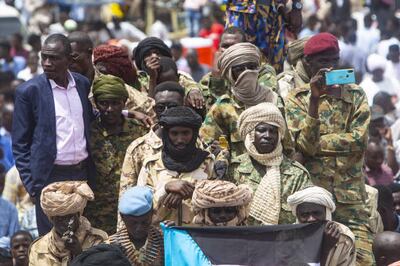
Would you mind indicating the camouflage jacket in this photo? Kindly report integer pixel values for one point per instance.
(294, 177)
(334, 144)
(185, 80)
(213, 88)
(140, 149)
(222, 119)
(108, 153)
(155, 175)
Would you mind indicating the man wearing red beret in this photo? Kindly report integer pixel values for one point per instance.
(330, 128)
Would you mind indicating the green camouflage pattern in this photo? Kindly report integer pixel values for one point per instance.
(108, 152)
(222, 119)
(213, 88)
(294, 177)
(354, 217)
(333, 147)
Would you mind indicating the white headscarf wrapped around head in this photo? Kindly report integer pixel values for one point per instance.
(317, 195)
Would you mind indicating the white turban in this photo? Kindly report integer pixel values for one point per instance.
(375, 62)
(317, 195)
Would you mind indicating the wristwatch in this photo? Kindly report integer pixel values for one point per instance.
(297, 5)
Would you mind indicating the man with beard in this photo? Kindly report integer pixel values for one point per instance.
(173, 172)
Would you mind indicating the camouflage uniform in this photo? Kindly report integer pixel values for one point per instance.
(222, 119)
(288, 81)
(108, 152)
(213, 88)
(139, 150)
(185, 80)
(294, 177)
(136, 153)
(333, 147)
(155, 175)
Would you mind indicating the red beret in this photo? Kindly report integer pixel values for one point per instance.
(320, 43)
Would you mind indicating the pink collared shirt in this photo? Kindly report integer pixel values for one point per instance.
(70, 128)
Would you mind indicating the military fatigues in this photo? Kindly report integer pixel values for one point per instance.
(40, 252)
(222, 119)
(333, 147)
(136, 153)
(288, 81)
(294, 177)
(213, 88)
(185, 80)
(155, 175)
(108, 153)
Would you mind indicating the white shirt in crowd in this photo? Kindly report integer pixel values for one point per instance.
(371, 88)
(70, 128)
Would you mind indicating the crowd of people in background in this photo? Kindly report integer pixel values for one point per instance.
(111, 125)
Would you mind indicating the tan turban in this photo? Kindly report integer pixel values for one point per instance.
(317, 195)
(245, 88)
(219, 193)
(63, 198)
(237, 54)
(266, 204)
(296, 50)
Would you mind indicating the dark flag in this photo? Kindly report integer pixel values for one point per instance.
(294, 245)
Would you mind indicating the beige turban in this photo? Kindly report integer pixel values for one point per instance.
(266, 204)
(237, 54)
(296, 50)
(219, 193)
(63, 198)
(317, 195)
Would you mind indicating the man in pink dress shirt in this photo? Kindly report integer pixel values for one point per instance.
(51, 125)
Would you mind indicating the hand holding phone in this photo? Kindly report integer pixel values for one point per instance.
(340, 77)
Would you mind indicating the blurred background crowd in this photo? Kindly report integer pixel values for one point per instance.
(368, 32)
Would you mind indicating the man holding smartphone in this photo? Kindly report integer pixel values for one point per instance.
(330, 127)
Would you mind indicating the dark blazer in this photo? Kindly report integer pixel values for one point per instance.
(34, 130)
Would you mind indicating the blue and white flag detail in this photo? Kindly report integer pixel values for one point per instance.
(276, 245)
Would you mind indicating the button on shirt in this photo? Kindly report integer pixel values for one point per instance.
(70, 128)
